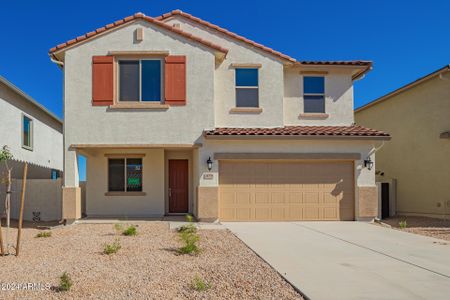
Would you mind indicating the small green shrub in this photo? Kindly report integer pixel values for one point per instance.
(65, 282)
(199, 284)
(189, 218)
(402, 224)
(130, 231)
(44, 234)
(189, 237)
(118, 228)
(187, 228)
(112, 248)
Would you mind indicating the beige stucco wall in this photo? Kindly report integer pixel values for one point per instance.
(47, 132)
(270, 80)
(153, 183)
(41, 195)
(338, 99)
(415, 156)
(85, 124)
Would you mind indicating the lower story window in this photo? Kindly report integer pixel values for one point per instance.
(125, 175)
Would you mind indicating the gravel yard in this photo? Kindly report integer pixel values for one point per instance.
(147, 265)
(437, 228)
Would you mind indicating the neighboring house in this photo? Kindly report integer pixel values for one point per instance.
(176, 115)
(32, 133)
(417, 117)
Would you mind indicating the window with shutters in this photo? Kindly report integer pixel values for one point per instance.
(140, 80)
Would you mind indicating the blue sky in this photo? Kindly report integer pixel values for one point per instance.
(404, 39)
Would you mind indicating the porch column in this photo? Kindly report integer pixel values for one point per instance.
(208, 187)
(366, 205)
(71, 192)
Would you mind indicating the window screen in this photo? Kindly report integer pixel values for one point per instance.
(134, 175)
(151, 80)
(129, 80)
(247, 91)
(116, 175)
(314, 94)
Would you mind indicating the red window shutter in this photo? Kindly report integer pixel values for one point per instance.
(175, 80)
(102, 80)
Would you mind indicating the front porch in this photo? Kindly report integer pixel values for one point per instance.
(133, 182)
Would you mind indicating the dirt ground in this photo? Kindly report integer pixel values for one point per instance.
(437, 228)
(147, 266)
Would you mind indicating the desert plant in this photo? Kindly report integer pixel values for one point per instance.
(187, 228)
(112, 248)
(118, 228)
(189, 218)
(44, 234)
(402, 224)
(65, 282)
(130, 231)
(199, 284)
(189, 237)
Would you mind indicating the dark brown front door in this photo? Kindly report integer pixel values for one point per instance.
(178, 186)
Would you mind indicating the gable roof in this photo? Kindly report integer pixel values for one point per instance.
(405, 87)
(29, 99)
(159, 22)
(178, 12)
(129, 19)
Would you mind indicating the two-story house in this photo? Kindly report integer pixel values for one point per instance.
(176, 115)
(31, 132)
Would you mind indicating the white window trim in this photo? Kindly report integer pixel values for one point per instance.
(31, 133)
(246, 87)
(161, 100)
(315, 94)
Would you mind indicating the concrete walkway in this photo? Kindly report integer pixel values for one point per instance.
(351, 260)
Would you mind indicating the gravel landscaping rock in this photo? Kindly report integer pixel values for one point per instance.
(437, 228)
(146, 267)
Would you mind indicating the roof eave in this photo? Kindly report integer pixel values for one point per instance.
(29, 99)
(294, 137)
(404, 88)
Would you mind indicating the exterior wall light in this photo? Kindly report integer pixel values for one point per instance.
(209, 162)
(368, 163)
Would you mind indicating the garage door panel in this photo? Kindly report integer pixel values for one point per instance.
(286, 191)
(295, 197)
(243, 198)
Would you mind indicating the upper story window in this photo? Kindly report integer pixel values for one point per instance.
(140, 80)
(314, 94)
(247, 87)
(27, 133)
(125, 175)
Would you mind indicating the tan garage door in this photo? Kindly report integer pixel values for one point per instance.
(288, 190)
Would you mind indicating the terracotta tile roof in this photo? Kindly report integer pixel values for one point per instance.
(133, 18)
(304, 131)
(226, 32)
(336, 63)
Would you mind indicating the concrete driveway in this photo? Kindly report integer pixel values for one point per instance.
(351, 260)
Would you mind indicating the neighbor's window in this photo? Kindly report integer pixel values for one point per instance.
(247, 88)
(55, 174)
(314, 94)
(125, 175)
(140, 80)
(27, 133)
